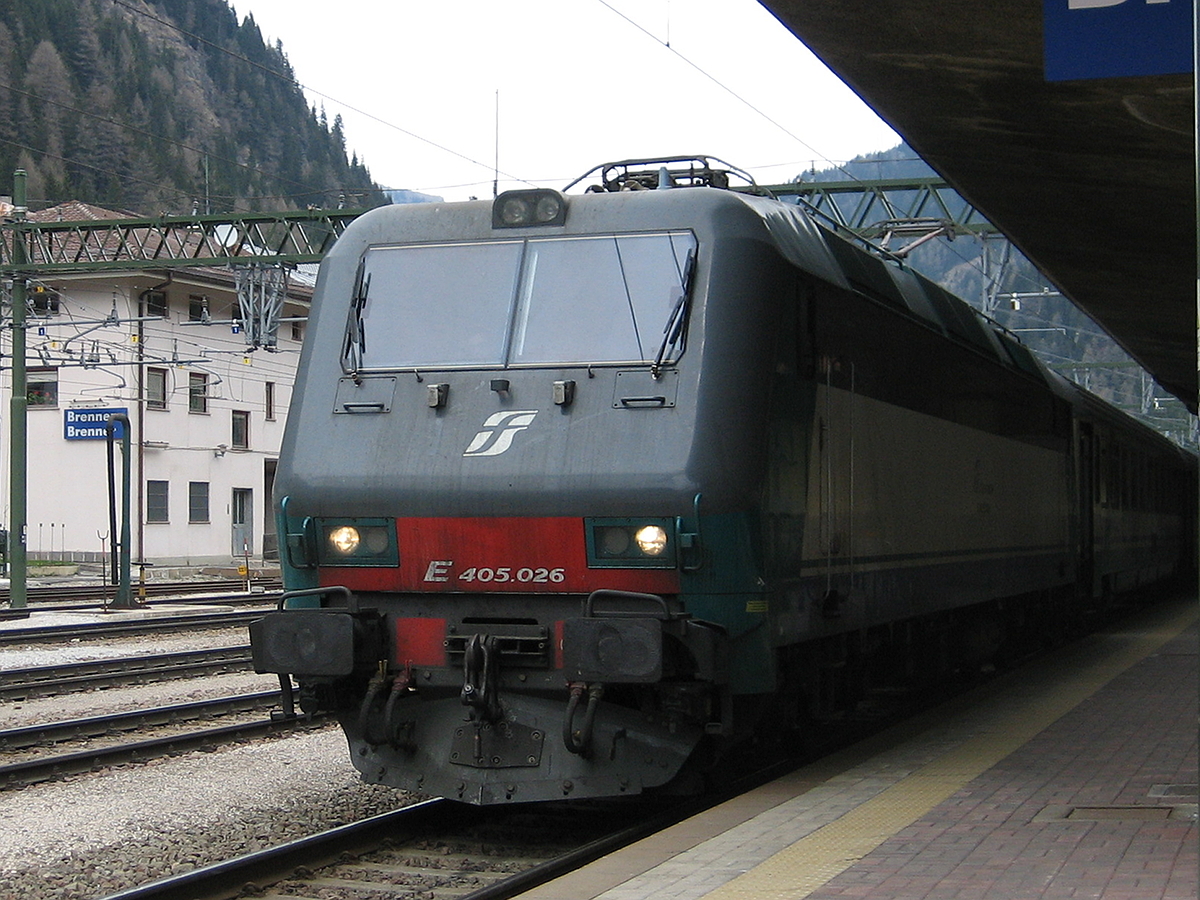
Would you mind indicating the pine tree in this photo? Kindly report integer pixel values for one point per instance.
(120, 110)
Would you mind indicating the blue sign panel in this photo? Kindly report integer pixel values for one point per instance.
(1116, 38)
(91, 424)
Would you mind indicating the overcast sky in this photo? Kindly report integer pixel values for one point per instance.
(576, 83)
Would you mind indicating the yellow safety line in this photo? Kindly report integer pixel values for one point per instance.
(800, 869)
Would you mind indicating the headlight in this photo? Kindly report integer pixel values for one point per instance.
(652, 540)
(630, 543)
(345, 539)
(358, 541)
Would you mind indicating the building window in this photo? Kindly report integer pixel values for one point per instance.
(297, 331)
(269, 401)
(156, 303)
(197, 501)
(41, 387)
(241, 430)
(156, 388)
(197, 392)
(197, 308)
(156, 501)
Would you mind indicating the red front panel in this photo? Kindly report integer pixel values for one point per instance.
(420, 642)
(503, 554)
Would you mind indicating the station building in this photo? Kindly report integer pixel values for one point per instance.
(171, 351)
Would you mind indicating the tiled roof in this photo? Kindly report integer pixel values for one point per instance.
(78, 211)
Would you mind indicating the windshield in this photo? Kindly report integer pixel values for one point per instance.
(545, 301)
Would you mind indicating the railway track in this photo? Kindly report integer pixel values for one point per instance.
(434, 850)
(40, 596)
(48, 681)
(131, 626)
(55, 765)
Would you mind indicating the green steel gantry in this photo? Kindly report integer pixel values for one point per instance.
(48, 248)
(867, 206)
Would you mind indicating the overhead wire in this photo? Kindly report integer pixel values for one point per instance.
(726, 88)
(289, 78)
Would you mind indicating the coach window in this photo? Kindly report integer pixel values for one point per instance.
(197, 392)
(240, 439)
(42, 387)
(156, 501)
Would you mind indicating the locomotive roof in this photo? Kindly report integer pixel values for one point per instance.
(844, 261)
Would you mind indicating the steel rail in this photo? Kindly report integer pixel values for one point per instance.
(85, 761)
(127, 626)
(93, 592)
(96, 726)
(47, 681)
(228, 878)
(253, 871)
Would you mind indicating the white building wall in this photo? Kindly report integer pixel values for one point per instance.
(68, 507)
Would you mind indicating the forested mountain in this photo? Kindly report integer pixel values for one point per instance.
(162, 106)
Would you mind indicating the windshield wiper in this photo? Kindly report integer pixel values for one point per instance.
(677, 320)
(356, 339)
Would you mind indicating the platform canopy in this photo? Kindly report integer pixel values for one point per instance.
(1092, 176)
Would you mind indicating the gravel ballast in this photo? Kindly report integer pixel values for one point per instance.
(93, 836)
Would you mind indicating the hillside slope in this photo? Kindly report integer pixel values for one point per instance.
(162, 106)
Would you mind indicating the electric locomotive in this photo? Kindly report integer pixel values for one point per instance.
(579, 491)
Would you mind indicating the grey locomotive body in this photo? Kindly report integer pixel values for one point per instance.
(579, 492)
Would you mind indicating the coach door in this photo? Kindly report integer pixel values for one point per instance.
(243, 521)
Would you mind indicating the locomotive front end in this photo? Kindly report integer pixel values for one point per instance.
(490, 500)
(456, 675)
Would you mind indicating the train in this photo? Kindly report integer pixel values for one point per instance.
(584, 492)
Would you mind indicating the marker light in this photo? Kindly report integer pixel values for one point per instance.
(344, 539)
(613, 541)
(517, 209)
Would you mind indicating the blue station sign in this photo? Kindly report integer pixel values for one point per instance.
(1116, 38)
(91, 424)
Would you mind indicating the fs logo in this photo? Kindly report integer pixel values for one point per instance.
(498, 432)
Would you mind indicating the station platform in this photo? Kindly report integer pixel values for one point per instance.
(1072, 777)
